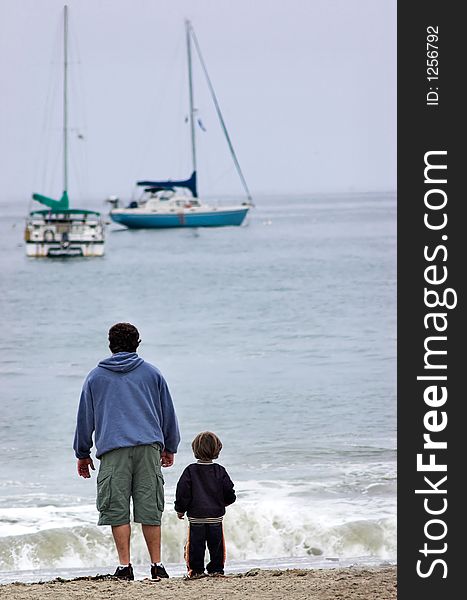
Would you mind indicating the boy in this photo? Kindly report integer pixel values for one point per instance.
(203, 491)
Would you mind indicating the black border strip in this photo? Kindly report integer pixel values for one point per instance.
(436, 127)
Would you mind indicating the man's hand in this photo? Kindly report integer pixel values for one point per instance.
(167, 459)
(83, 467)
(180, 515)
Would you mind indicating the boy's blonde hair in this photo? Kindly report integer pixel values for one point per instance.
(206, 446)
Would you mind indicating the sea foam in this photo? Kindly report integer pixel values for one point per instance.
(65, 537)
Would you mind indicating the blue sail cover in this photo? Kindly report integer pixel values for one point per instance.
(189, 184)
(158, 189)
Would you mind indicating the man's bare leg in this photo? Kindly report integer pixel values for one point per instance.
(152, 535)
(121, 535)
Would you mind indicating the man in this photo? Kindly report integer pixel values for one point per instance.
(125, 401)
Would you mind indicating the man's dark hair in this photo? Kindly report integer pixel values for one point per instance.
(206, 446)
(123, 337)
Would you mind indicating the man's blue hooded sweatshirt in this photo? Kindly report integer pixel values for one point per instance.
(126, 402)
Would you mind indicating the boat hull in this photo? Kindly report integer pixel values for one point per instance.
(134, 219)
(56, 250)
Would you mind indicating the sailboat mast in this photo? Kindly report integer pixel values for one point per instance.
(65, 98)
(190, 87)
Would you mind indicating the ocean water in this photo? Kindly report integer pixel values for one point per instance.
(278, 335)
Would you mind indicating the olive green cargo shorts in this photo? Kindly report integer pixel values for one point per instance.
(127, 473)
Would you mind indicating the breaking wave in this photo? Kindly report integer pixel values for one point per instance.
(68, 537)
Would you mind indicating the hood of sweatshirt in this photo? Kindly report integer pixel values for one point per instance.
(121, 362)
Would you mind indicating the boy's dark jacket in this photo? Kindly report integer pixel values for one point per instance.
(204, 490)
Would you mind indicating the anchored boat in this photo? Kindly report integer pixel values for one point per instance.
(168, 203)
(61, 231)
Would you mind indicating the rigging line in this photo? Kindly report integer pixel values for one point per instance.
(54, 170)
(78, 179)
(80, 129)
(45, 141)
(41, 177)
(76, 78)
(154, 107)
(223, 175)
(219, 114)
(78, 143)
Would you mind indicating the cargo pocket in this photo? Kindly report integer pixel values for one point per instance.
(104, 480)
(160, 491)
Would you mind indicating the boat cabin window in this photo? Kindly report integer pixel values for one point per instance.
(187, 203)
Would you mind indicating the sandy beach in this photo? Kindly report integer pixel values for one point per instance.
(296, 584)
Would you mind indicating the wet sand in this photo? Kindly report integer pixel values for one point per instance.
(295, 584)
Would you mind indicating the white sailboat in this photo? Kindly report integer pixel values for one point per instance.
(61, 231)
(168, 203)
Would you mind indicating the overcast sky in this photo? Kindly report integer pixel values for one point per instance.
(307, 87)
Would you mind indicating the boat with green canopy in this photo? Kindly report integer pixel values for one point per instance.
(61, 231)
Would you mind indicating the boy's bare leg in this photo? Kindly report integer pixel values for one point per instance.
(152, 535)
(121, 535)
